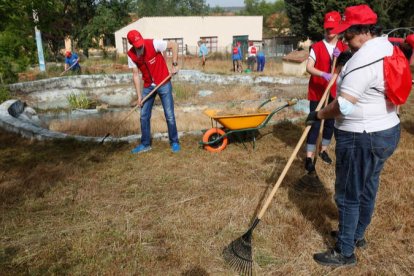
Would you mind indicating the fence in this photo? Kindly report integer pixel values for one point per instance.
(271, 51)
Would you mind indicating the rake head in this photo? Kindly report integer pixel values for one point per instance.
(239, 254)
(310, 185)
(106, 136)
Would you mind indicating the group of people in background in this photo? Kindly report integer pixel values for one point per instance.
(254, 55)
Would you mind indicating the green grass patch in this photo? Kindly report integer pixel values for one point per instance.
(80, 101)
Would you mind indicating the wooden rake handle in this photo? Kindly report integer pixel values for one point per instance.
(323, 121)
(135, 107)
(295, 151)
(155, 89)
(69, 68)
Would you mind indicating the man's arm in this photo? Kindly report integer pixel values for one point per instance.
(137, 84)
(174, 49)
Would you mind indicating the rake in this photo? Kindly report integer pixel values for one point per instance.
(239, 253)
(61, 74)
(318, 142)
(135, 107)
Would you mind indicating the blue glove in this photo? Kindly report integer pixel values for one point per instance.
(336, 52)
(312, 118)
(326, 76)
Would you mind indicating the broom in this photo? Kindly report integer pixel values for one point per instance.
(238, 254)
(135, 107)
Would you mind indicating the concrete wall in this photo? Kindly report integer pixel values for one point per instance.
(294, 68)
(191, 28)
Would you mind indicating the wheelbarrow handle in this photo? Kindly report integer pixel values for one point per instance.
(292, 101)
(272, 99)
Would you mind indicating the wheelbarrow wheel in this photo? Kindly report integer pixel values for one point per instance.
(213, 134)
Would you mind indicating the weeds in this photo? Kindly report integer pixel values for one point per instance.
(80, 101)
(184, 91)
(4, 94)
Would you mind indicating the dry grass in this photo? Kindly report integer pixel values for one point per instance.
(86, 209)
(230, 99)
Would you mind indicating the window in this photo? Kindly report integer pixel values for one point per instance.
(180, 46)
(211, 42)
(124, 45)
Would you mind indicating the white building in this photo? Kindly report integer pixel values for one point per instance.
(219, 32)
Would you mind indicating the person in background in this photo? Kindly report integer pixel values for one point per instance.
(237, 57)
(367, 132)
(261, 59)
(319, 66)
(72, 62)
(202, 52)
(146, 56)
(251, 56)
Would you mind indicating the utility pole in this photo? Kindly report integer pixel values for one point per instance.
(38, 36)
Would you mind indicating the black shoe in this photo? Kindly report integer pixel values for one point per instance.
(361, 243)
(325, 157)
(334, 258)
(309, 166)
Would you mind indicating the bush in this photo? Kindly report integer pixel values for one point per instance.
(80, 101)
(4, 94)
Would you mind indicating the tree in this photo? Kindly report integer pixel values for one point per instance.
(171, 7)
(109, 16)
(299, 12)
(274, 16)
(306, 16)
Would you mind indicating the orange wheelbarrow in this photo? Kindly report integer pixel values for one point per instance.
(215, 139)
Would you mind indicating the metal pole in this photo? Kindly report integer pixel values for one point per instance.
(38, 36)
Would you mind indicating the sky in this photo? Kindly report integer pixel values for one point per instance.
(228, 3)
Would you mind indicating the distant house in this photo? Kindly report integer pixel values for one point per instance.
(219, 32)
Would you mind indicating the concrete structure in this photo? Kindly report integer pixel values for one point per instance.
(218, 31)
(295, 63)
(113, 90)
(117, 90)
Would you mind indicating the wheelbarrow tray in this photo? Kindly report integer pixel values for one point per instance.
(237, 121)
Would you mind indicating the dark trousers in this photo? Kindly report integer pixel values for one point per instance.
(328, 127)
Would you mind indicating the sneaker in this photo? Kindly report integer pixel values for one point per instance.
(325, 157)
(334, 258)
(359, 243)
(175, 147)
(141, 148)
(309, 166)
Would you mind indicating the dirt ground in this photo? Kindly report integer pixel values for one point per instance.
(81, 209)
(71, 208)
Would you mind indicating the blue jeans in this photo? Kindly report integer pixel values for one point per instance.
(328, 129)
(165, 93)
(261, 60)
(360, 158)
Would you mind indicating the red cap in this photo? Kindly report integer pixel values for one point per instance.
(135, 39)
(410, 40)
(356, 15)
(68, 54)
(395, 39)
(331, 20)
